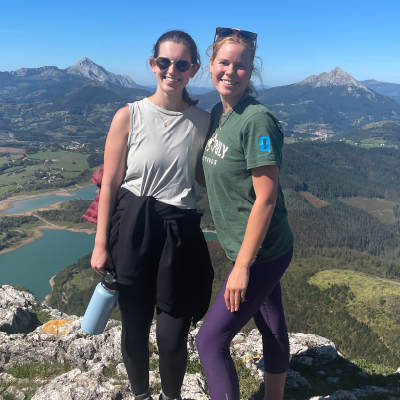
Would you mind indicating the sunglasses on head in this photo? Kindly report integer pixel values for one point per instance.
(165, 63)
(224, 32)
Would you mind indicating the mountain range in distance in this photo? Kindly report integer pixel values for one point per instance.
(51, 77)
(333, 101)
(385, 88)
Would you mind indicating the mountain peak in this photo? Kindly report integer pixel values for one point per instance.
(337, 77)
(89, 69)
(42, 71)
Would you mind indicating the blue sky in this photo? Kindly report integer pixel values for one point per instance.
(296, 38)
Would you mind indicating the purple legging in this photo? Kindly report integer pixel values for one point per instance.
(263, 301)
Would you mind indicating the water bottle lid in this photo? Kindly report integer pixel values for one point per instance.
(110, 280)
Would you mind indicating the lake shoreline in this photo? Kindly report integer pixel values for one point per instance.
(51, 283)
(7, 203)
(37, 233)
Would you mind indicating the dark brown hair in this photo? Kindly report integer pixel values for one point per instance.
(184, 38)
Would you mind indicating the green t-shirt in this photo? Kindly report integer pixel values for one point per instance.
(250, 138)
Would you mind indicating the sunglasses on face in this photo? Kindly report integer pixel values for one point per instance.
(224, 32)
(165, 63)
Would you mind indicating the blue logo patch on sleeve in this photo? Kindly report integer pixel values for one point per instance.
(265, 144)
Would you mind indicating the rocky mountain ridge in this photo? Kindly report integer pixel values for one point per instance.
(37, 84)
(62, 341)
(84, 67)
(42, 71)
(336, 77)
(91, 70)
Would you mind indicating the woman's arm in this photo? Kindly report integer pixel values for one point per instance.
(265, 183)
(114, 170)
(200, 178)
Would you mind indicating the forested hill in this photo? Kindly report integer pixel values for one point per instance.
(337, 169)
(388, 131)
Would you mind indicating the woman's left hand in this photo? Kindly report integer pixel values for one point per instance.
(236, 287)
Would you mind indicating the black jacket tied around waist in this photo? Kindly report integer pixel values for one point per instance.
(151, 241)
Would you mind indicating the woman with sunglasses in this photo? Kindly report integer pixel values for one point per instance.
(148, 227)
(241, 164)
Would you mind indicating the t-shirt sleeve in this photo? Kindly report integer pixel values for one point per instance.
(262, 140)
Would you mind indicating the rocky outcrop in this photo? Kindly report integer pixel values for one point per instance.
(14, 309)
(61, 340)
(78, 385)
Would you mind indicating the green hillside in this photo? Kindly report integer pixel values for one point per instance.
(340, 225)
(86, 111)
(39, 170)
(373, 302)
(386, 131)
(337, 169)
(337, 310)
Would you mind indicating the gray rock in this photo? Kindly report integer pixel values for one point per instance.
(252, 345)
(294, 380)
(14, 309)
(154, 380)
(16, 393)
(4, 377)
(77, 385)
(322, 350)
(12, 297)
(65, 343)
(121, 370)
(339, 395)
(333, 380)
(193, 387)
(305, 360)
(54, 314)
(362, 373)
(369, 390)
(14, 319)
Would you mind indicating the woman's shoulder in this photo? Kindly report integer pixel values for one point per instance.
(199, 111)
(255, 109)
(123, 114)
(256, 114)
(199, 117)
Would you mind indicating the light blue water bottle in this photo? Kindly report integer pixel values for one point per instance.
(103, 301)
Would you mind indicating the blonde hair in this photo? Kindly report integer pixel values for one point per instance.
(256, 62)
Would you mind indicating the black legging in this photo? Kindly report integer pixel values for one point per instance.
(137, 311)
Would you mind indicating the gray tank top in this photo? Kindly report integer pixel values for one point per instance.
(161, 161)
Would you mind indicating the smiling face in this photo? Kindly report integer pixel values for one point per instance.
(231, 70)
(170, 80)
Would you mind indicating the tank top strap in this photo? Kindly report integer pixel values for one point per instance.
(133, 110)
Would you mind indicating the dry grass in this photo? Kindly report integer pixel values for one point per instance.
(379, 208)
(315, 201)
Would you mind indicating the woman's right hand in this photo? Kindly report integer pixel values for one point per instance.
(100, 259)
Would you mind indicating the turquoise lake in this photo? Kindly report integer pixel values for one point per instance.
(34, 264)
(86, 193)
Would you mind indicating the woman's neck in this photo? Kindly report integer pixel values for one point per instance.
(170, 102)
(230, 102)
